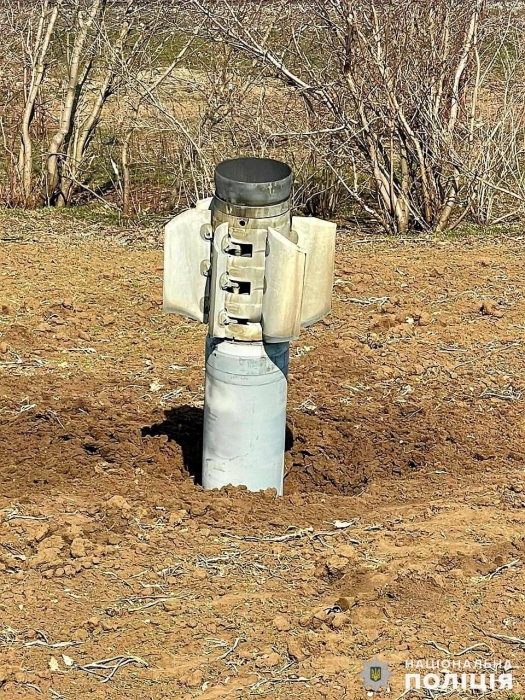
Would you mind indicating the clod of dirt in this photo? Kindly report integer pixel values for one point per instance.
(52, 541)
(39, 534)
(193, 679)
(321, 617)
(200, 574)
(78, 548)
(384, 322)
(295, 650)
(330, 664)
(282, 623)
(172, 606)
(110, 625)
(118, 502)
(46, 557)
(347, 551)
(269, 661)
(336, 565)
(490, 308)
(339, 620)
(93, 622)
(177, 517)
(423, 319)
(345, 603)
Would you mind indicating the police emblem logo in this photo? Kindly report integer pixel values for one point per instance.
(375, 674)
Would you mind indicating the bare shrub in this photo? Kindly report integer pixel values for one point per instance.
(395, 82)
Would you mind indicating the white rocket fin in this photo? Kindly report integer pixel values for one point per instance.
(283, 292)
(316, 238)
(186, 261)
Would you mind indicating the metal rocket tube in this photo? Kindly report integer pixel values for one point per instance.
(245, 414)
(246, 382)
(239, 263)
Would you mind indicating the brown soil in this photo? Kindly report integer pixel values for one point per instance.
(406, 421)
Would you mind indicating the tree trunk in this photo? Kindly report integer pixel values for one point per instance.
(68, 110)
(43, 39)
(88, 128)
(126, 194)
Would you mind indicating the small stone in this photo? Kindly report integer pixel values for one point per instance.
(3, 348)
(200, 574)
(282, 623)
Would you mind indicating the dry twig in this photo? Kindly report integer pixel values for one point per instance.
(511, 564)
(99, 668)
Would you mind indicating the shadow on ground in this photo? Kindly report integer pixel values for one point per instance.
(184, 425)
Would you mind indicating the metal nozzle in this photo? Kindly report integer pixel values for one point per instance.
(253, 182)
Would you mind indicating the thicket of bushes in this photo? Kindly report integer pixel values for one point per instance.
(408, 114)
